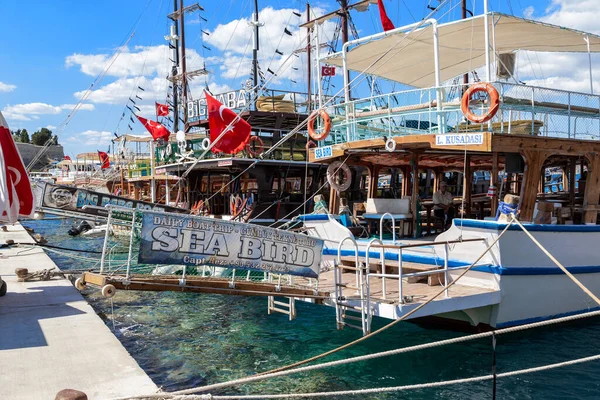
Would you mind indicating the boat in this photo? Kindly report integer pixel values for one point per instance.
(494, 126)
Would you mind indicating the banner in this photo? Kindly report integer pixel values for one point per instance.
(68, 198)
(191, 240)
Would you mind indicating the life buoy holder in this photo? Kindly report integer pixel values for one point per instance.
(494, 101)
(255, 151)
(326, 125)
(310, 144)
(332, 176)
(205, 143)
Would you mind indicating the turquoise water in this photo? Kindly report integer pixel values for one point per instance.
(183, 340)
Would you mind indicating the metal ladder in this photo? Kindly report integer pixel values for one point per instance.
(282, 307)
(348, 313)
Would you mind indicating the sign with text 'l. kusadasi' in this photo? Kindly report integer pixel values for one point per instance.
(190, 240)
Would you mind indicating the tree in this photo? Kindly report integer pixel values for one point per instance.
(24, 136)
(40, 137)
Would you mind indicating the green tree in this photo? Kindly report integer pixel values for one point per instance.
(16, 135)
(24, 136)
(40, 137)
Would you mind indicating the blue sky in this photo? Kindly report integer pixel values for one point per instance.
(53, 51)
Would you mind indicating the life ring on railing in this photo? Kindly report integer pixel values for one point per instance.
(326, 126)
(494, 101)
(255, 151)
(310, 144)
(205, 143)
(332, 176)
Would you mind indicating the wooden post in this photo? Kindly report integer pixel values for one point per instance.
(373, 178)
(427, 182)
(405, 181)
(592, 188)
(542, 181)
(468, 186)
(414, 161)
(436, 179)
(534, 160)
(494, 183)
(334, 201)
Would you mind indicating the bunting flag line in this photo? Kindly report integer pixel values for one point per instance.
(285, 30)
(219, 118)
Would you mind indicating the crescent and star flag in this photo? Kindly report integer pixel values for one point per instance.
(16, 197)
(162, 110)
(156, 130)
(385, 21)
(104, 160)
(219, 118)
(68, 158)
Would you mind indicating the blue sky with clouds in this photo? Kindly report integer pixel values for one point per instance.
(52, 51)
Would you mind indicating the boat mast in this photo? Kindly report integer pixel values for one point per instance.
(175, 44)
(344, 20)
(256, 25)
(464, 16)
(183, 68)
(309, 100)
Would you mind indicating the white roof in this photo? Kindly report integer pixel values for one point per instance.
(408, 57)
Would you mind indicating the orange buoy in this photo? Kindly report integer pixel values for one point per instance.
(494, 100)
(255, 151)
(326, 126)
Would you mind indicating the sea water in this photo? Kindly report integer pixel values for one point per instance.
(186, 340)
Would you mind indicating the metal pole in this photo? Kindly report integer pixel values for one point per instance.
(175, 43)
(587, 41)
(130, 245)
(486, 29)
(105, 245)
(464, 16)
(344, 17)
(308, 29)
(256, 24)
(400, 297)
(446, 269)
(183, 68)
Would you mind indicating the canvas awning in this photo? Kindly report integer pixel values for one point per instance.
(408, 57)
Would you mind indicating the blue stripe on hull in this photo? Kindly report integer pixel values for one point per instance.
(491, 269)
(538, 319)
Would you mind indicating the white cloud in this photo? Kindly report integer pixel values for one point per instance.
(50, 127)
(139, 61)
(563, 70)
(93, 138)
(235, 40)
(5, 87)
(29, 111)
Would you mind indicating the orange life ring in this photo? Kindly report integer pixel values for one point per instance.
(260, 145)
(310, 144)
(494, 99)
(326, 126)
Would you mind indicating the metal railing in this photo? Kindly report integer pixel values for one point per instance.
(524, 109)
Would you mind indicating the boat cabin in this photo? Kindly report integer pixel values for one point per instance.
(485, 139)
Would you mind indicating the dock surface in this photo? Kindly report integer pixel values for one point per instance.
(51, 338)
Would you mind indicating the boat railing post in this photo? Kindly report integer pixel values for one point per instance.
(356, 260)
(400, 296)
(393, 227)
(105, 245)
(532, 110)
(446, 269)
(130, 244)
(569, 114)
(368, 263)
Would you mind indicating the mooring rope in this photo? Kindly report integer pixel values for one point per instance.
(285, 370)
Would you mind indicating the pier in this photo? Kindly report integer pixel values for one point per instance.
(51, 339)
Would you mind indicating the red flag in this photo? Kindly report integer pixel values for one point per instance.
(162, 110)
(16, 197)
(156, 130)
(219, 118)
(67, 158)
(104, 160)
(328, 70)
(385, 21)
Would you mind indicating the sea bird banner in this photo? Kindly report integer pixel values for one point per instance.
(189, 240)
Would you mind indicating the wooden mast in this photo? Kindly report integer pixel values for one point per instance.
(183, 67)
(174, 70)
(309, 99)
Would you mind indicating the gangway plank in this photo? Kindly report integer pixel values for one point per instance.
(200, 284)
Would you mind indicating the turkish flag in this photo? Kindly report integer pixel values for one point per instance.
(328, 70)
(385, 21)
(156, 130)
(68, 158)
(162, 110)
(219, 118)
(104, 160)
(16, 197)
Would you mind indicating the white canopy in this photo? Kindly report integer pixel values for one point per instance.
(408, 57)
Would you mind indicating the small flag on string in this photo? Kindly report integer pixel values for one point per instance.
(137, 108)
(293, 81)
(131, 100)
(141, 88)
(206, 33)
(297, 14)
(138, 97)
(269, 70)
(206, 47)
(278, 52)
(285, 30)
